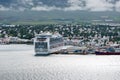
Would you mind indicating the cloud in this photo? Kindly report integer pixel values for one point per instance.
(72, 8)
(70, 5)
(2, 8)
(99, 5)
(74, 5)
(75, 2)
(30, 2)
(91, 5)
(45, 8)
(117, 6)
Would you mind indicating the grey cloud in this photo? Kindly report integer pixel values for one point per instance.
(65, 5)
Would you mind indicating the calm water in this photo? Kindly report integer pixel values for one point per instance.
(17, 62)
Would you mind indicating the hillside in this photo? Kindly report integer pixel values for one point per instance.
(57, 16)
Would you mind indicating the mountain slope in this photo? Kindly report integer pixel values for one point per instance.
(58, 16)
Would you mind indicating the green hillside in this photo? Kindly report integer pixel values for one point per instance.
(53, 17)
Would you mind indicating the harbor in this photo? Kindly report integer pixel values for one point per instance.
(66, 50)
(78, 38)
(47, 43)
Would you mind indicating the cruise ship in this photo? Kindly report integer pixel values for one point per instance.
(47, 43)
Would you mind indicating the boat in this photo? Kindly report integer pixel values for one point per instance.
(111, 50)
(46, 43)
(107, 53)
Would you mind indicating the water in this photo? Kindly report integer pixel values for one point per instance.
(19, 63)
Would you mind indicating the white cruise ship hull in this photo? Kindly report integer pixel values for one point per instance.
(58, 49)
(42, 53)
(50, 51)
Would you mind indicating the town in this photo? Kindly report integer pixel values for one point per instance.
(85, 32)
(82, 35)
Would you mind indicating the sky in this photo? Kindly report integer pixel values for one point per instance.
(65, 5)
